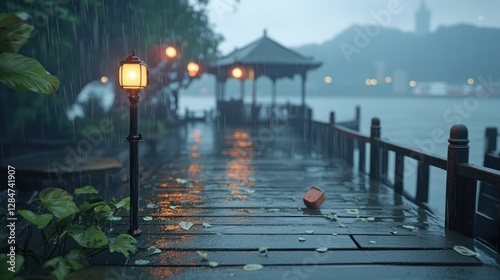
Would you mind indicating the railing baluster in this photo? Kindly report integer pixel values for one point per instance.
(362, 156)
(423, 182)
(375, 150)
(399, 175)
(385, 163)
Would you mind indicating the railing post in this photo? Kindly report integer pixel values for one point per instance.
(361, 162)
(460, 191)
(375, 150)
(358, 117)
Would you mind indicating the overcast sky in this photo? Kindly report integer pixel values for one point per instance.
(298, 22)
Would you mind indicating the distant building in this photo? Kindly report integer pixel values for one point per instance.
(422, 19)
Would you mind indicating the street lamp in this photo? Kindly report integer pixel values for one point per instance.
(193, 68)
(171, 52)
(133, 76)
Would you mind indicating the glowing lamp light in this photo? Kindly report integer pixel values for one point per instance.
(373, 82)
(470, 81)
(193, 68)
(237, 73)
(413, 83)
(328, 79)
(104, 79)
(388, 80)
(171, 52)
(133, 73)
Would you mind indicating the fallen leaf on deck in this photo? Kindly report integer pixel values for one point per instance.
(352, 211)
(252, 266)
(151, 206)
(322, 249)
(181, 181)
(332, 217)
(274, 210)
(310, 231)
(370, 219)
(334, 234)
(147, 218)
(341, 225)
(250, 191)
(203, 256)
(153, 250)
(141, 262)
(394, 232)
(207, 225)
(251, 179)
(302, 239)
(262, 251)
(185, 225)
(412, 228)
(213, 264)
(172, 207)
(372, 242)
(464, 251)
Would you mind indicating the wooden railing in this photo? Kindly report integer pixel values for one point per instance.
(342, 139)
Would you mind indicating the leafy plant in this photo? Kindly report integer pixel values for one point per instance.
(62, 222)
(17, 71)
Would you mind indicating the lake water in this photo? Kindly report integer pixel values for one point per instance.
(422, 123)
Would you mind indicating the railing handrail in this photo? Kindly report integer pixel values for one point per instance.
(461, 176)
(480, 173)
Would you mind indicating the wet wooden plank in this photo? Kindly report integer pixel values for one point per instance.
(403, 242)
(338, 257)
(245, 242)
(303, 271)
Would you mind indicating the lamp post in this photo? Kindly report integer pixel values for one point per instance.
(133, 76)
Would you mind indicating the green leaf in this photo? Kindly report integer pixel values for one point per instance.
(92, 237)
(58, 201)
(14, 32)
(60, 266)
(23, 73)
(464, 251)
(153, 250)
(77, 259)
(322, 249)
(86, 190)
(213, 264)
(4, 266)
(124, 244)
(141, 262)
(124, 203)
(185, 225)
(40, 221)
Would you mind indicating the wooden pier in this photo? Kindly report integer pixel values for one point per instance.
(241, 187)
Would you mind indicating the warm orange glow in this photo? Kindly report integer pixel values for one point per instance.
(413, 83)
(388, 80)
(237, 73)
(193, 68)
(368, 82)
(373, 82)
(133, 76)
(171, 52)
(104, 79)
(328, 79)
(470, 81)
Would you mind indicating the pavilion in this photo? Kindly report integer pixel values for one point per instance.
(263, 57)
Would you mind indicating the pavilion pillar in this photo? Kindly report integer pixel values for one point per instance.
(242, 89)
(273, 92)
(254, 100)
(303, 89)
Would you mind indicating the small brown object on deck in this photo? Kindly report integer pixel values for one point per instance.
(314, 197)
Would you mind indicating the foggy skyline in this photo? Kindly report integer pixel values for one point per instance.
(298, 23)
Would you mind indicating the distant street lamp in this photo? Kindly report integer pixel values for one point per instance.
(171, 52)
(193, 68)
(133, 76)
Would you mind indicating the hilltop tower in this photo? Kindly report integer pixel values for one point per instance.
(422, 19)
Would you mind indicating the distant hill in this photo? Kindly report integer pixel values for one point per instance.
(450, 54)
